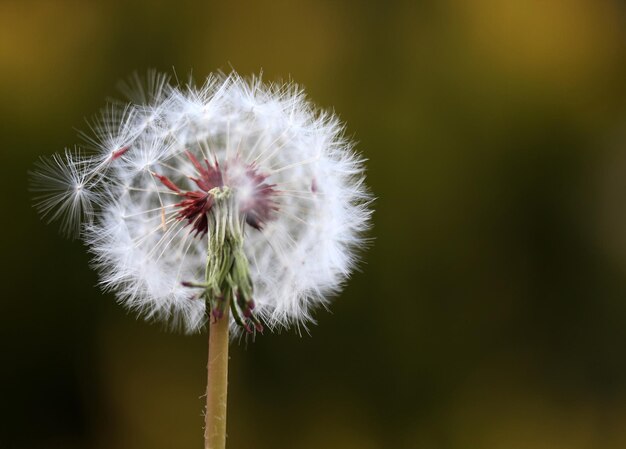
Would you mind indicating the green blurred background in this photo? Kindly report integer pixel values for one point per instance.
(490, 311)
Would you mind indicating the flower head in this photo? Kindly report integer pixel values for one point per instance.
(236, 194)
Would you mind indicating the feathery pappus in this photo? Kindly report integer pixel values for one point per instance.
(236, 194)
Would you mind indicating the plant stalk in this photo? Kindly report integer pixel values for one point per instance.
(217, 384)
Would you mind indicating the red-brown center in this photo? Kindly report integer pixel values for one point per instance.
(254, 196)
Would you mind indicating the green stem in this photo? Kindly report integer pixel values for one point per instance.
(227, 281)
(217, 385)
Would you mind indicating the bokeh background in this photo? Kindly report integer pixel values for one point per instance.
(490, 310)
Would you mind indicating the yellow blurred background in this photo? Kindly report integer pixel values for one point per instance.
(490, 311)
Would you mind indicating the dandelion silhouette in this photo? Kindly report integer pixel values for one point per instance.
(237, 204)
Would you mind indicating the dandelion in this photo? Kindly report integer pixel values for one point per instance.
(237, 203)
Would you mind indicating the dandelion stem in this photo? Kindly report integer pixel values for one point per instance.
(217, 385)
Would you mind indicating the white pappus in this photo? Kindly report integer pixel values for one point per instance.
(237, 194)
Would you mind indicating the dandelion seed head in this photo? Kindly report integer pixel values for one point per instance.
(177, 165)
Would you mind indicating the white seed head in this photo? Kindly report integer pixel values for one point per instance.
(164, 166)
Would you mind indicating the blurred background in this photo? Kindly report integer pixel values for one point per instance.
(490, 311)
